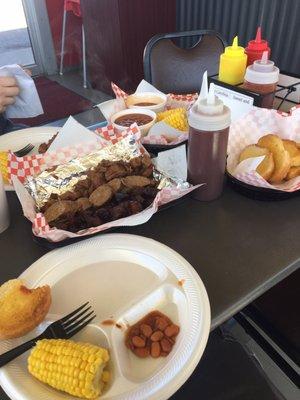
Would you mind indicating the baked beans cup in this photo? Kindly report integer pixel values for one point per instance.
(123, 119)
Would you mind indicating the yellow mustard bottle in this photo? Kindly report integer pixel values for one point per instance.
(233, 64)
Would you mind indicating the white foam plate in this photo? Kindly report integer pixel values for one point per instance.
(124, 277)
(16, 140)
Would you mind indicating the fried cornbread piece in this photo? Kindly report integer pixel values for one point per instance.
(291, 147)
(281, 156)
(22, 309)
(266, 167)
(293, 151)
(295, 161)
(293, 172)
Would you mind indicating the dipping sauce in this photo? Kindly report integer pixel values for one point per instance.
(108, 322)
(145, 104)
(129, 119)
(181, 282)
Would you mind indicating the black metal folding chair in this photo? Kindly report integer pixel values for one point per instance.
(175, 69)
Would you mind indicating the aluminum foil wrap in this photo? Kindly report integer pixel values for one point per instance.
(65, 176)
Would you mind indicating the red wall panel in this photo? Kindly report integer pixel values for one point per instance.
(116, 34)
(55, 10)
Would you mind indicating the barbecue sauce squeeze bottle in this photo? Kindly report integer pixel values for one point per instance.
(262, 77)
(209, 121)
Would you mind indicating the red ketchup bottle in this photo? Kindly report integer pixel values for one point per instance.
(209, 122)
(256, 47)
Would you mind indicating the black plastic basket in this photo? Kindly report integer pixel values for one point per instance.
(259, 193)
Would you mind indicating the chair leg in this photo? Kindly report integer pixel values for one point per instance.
(63, 36)
(84, 58)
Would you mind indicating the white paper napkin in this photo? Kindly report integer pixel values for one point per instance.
(163, 129)
(27, 103)
(173, 162)
(145, 86)
(72, 133)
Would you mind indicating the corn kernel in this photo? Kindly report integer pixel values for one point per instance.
(105, 376)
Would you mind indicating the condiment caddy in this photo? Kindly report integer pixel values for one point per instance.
(249, 71)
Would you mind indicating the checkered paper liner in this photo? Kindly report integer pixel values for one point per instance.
(181, 100)
(247, 130)
(23, 167)
(113, 135)
(173, 101)
(118, 92)
(40, 227)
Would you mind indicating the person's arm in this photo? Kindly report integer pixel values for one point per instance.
(8, 91)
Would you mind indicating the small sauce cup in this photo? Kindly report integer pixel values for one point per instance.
(131, 112)
(147, 100)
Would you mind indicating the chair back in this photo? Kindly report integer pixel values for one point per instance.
(173, 69)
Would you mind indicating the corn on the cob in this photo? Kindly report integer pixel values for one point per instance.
(164, 114)
(178, 121)
(175, 117)
(3, 165)
(73, 367)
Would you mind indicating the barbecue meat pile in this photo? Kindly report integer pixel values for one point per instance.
(110, 191)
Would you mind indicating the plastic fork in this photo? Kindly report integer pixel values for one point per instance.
(63, 328)
(25, 150)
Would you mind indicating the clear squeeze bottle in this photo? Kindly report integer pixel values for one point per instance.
(256, 47)
(262, 77)
(209, 122)
(233, 64)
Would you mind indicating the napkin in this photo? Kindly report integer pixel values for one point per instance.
(27, 103)
(72, 133)
(145, 86)
(173, 162)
